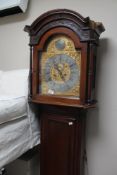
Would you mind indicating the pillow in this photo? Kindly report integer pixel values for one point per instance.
(12, 108)
(14, 82)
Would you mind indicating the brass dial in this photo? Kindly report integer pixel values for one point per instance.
(60, 68)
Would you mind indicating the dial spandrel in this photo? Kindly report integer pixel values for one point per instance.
(60, 68)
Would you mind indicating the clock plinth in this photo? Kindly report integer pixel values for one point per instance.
(63, 48)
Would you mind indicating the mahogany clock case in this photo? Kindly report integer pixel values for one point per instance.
(84, 33)
(60, 39)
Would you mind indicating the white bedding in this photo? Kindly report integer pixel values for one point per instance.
(14, 82)
(19, 127)
(16, 137)
(12, 107)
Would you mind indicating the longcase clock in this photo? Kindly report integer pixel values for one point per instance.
(63, 48)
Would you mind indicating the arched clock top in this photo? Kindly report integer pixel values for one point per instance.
(86, 29)
(57, 32)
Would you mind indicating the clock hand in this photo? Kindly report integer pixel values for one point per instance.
(60, 72)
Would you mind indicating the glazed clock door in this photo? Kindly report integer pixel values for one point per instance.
(59, 68)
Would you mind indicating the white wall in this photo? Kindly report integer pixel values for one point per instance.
(101, 122)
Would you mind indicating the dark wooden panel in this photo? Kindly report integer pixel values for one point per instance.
(57, 146)
(61, 141)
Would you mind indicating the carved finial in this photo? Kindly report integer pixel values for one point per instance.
(98, 26)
